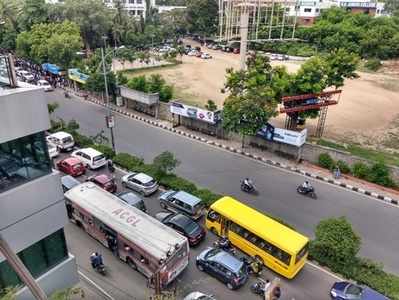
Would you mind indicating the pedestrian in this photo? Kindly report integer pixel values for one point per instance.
(337, 172)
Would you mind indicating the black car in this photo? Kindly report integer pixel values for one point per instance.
(133, 200)
(224, 266)
(68, 182)
(194, 232)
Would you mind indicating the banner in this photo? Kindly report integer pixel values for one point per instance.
(76, 75)
(54, 69)
(195, 113)
(290, 137)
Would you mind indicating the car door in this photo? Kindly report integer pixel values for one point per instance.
(133, 183)
(178, 229)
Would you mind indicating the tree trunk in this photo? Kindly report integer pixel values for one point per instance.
(243, 141)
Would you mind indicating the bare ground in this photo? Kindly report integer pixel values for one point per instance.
(367, 113)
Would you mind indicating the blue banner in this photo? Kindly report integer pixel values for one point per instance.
(54, 69)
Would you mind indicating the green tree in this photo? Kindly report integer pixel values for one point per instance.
(391, 6)
(211, 105)
(96, 83)
(202, 16)
(165, 163)
(52, 107)
(10, 11)
(254, 95)
(336, 244)
(33, 12)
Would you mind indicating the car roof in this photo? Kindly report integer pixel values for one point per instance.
(180, 220)
(144, 178)
(90, 151)
(69, 181)
(43, 81)
(187, 198)
(72, 160)
(228, 260)
(130, 197)
(102, 178)
(60, 134)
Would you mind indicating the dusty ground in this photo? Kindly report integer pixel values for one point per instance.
(368, 111)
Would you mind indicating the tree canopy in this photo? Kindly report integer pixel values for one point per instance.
(202, 16)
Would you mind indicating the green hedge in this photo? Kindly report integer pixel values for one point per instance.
(106, 150)
(326, 161)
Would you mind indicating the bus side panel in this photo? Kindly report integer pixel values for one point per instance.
(253, 251)
(216, 225)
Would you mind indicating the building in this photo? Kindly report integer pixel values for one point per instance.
(359, 6)
(135, 8)
(307, 11)
(32, 209)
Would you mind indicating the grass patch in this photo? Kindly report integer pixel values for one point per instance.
(370, 154)
(141, 71)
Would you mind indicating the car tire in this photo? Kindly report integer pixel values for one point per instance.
(124, 184)
(163, 205)
(230, 286)
(200, 267)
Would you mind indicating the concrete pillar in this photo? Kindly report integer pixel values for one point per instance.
(244, 37)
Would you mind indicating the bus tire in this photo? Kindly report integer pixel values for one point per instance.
(131, 263)
(214, 231)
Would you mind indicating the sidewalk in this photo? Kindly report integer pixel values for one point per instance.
(304, 168)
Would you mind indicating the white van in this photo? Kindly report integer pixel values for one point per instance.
(90, 157)
(64, 141)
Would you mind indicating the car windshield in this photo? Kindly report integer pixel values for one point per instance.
(190, 227)
(241, 271)
(354, 290)
(98, 157)
(77, 166)
(212, 253)
(67, 140)
(149, 183)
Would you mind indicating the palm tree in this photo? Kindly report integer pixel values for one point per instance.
(10, 10)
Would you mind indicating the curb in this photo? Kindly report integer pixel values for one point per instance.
(249, 155)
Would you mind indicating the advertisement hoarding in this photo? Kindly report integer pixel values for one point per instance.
(290, 137)
(195, 113)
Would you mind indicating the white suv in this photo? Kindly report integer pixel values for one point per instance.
(90, 157)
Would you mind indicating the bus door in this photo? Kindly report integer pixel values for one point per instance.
(224, 227)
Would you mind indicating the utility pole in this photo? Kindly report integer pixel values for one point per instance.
(19, 268)
(109, 117)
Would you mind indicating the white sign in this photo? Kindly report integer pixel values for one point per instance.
(290, 137)
(194, 112)
(110, 121)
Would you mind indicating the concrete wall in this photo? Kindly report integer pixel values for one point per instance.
(23, 112)
(37, 205)
(58, 278)
(164, 112)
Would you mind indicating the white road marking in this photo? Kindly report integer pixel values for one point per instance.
(99, 288)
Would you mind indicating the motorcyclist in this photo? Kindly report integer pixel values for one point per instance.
(96, 260)
(248, 183)
(307, 186)
(224, 243)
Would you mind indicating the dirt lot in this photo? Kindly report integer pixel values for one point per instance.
(368, 111)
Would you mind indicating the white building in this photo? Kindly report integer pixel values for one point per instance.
(32, 208)
(135, 8)
(307, 10)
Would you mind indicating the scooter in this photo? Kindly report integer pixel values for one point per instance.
(248, 187)
(307, 192)
(259, 287)
(101, 269)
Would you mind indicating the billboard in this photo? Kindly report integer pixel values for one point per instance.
(195, 112)
(290, 137)
(54, 69)
(76, 75)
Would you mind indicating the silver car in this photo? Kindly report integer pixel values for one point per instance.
(141, 183)
(198, 296)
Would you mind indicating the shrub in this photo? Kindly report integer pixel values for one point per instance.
(106, 150)
(206, 196)
(379, 174)
(336, 244)
(81, 140)
(360, 170)
(177, 183)
(325, 161)
(166, 93)
(344, 167)
(138, 83)
(128, 161)
(165, 163)
(373, 64)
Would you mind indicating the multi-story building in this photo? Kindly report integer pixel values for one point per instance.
(32, 209)
(135, 8)
(307, 11)
(359, 6)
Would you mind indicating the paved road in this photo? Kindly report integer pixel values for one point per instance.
(221, 171)
(122, 282)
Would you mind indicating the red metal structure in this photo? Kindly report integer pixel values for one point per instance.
(293, 105)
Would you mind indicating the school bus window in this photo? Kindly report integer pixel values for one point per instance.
(213, 216)
(301, 253)
(253, 239)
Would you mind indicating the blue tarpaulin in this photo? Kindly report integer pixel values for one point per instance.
(51, 68)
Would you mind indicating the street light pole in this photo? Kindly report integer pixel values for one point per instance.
(109, 112)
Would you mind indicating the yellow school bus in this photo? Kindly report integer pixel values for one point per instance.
(279, 247)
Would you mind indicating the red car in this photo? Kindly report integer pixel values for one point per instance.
(104, 181)
(71, 166)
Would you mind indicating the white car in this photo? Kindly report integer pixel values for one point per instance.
(198, 296)
(63, 140)
(52, 150)
(192, 53)
(206, 56)
(44, 83)
(141, 183)
(90, 157)
(26, 75)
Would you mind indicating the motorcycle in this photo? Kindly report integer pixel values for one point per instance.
(101, 269)
(111, 166)
(254, 267)
(259, 287)
(66, 94)
(224, 244)
(310, 192)
(248, 187)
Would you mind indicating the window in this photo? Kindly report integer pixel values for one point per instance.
(308, 10)
(214, 216)
(301, 253)
(131, 1)
(139, 2)
(38, 258)
(22, 160)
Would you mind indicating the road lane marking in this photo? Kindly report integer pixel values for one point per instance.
(99, 288)
(324, 270)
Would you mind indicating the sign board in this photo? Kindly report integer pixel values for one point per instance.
(110, 121)
(76, 75)
(290, 137)
(195, 112)
(149, 99)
